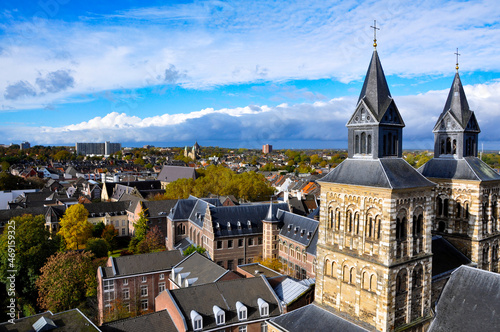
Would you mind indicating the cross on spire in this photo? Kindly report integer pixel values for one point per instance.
(374, 27)
(457, 58)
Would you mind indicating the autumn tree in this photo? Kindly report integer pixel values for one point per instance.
(153, 241)
(109, 234)
(33, 245)
(75, 228)
(272, 263)
(67, 279)
(97, 229)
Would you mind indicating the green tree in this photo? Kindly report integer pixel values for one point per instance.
(192, 248)
(67, 279)
(99, 247)
(97, 229)
(75, 228)
(62, 155)
(140, 229)
(33, 245)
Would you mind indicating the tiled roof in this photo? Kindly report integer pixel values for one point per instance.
(159, 321)
(201, 269)
(145, 263)
(392, 173)
(312, 318)
(469, 168)
(225, 294)
(172, 173)
(470, 301)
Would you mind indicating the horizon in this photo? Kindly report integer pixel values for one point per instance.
(242, 75)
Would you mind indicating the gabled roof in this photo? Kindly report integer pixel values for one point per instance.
(468, 168)
(106, 207)
(159, 321)
(198, 212)
(289, 290)
(470, 301)
(144, 263)
(201, 269)
(225, 294)
(392, 173)
(157, 209)
(313, 318)
(172, 173)
(182, 209)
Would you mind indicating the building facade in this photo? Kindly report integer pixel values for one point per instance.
(98, 149)
(374, 247)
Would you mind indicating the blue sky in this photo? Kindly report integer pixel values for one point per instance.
(237, 73)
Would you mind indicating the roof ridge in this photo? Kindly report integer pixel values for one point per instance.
(385, 173)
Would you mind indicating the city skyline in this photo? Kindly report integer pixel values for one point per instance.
(235, 74)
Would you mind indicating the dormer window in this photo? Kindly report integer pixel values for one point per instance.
(302, 232)
(220, 316)
(263, 307)
(290, 227)
(162, 276)
(242, 311)
(196, 320)
(239, 225)
(228, 226)
(249, 223)
(296, 229)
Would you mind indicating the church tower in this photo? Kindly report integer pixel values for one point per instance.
(467, 192)
(374, 247)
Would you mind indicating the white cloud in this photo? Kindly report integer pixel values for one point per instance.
(219, 43)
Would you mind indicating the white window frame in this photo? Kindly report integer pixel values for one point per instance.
(144, 287)
(161, 287)
(242, 311)
(263, 307)
(242, 328)
(162, 276)
(196, 320)
(219, 314)
(144, 279)
(126, 291)
(125, 282)
(142, 304)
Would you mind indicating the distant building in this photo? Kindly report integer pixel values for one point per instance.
(25, 145)
(195, 152)
(267, 148)
(99, 149)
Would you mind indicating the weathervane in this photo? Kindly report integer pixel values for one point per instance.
(457, 58)
(374, 27)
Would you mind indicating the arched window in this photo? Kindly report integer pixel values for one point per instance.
(328, 268)
(356, 144)
(439, 206)
(352, 276)
(334, 269)
(378, 225)
(459, 210)
(349, 221)
(363, 143)
(345, 273)
(369, 144)
(442, 150)
(448, 145)
(401, 298)
(338, 218)
(331, 218)
(356, 222)
(417, 292)
(373, 282)
(366, 281)
(389, 145)
(454, 146)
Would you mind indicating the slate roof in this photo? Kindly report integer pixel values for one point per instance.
(182, 209)
(297, 228)
(145, 263)
(470, 301)
(255, 213)
(102, 208)
(456, 103)
(159, 321)
(66, 321)
(156, 209)
(312, 318)
(225, 294)
(468, 168)
(172, 173)
(198, 268)
(445, 256)
(375, 92)
(392, 173)
(198, 212)
(8, 214)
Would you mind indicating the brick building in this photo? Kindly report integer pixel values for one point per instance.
(133, 282)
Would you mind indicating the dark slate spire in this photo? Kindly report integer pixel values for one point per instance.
(457, 102)
(375, 92)
(271, 213)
